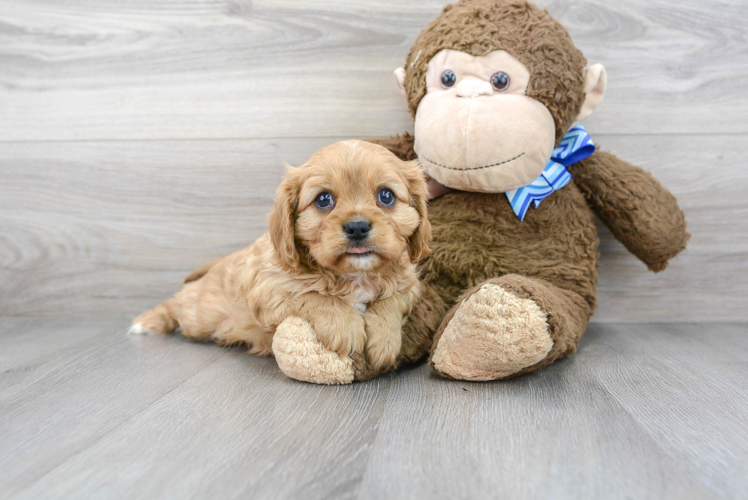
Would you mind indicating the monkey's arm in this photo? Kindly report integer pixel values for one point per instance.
(638, 210)
(400, 145)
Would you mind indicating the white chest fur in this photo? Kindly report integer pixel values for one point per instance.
(362, 292)
(361, 300)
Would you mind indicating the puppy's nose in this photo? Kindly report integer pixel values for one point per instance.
(357, 229)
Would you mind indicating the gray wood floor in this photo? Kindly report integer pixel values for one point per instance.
(641, 411)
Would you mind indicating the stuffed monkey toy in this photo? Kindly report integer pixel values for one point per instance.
(495, 88)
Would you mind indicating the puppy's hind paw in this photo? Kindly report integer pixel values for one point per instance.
(301, 356)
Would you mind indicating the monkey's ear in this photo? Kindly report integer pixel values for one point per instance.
(282, 222)
(400, 79)
(595, 80)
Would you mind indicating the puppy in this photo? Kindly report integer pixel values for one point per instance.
(347, 229)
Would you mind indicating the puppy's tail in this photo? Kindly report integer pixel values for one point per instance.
(161, 319)
(201, 271)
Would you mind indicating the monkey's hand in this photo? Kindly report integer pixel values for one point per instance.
(638, 210)
(302, 356)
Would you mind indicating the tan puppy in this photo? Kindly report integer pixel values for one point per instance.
(347, 229)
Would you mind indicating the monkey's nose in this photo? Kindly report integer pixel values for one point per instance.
(357, 229)
(472, 87)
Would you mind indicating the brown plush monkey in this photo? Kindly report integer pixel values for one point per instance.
(494, 87)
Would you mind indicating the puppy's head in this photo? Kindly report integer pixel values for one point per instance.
(354, 206)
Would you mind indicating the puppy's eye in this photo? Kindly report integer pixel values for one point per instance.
(386, 197)
(324, 201)
(500, 81)
(448, 78)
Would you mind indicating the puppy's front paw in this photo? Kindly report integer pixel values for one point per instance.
(383, 342)
(344, 334)
(301, 356)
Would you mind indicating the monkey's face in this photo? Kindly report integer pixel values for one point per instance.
(476, 129)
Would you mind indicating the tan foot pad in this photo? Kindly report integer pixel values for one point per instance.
(301, 356)
(492, 335)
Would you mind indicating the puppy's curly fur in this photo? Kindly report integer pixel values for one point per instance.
(355, 292)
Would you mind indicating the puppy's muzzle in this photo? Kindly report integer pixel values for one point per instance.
(357, 230)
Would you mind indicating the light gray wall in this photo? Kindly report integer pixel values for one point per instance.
(139, 139)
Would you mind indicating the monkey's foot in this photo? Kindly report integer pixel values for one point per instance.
(301, 356)
(492, 334)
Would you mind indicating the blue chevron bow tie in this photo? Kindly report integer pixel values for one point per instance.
(575, 146)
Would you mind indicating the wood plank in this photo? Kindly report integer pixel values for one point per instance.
(223, 69)
(555, 434)
(688, 386)
(53, 408)
(127, 218)
(641, 411)
(26, 340)
(234, 426)
(92, 228)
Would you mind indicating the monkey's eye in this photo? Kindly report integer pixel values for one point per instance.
(324, 201)
(386, 197)
(500, 81)
(448, 78)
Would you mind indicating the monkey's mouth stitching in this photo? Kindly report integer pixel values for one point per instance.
(474, 168)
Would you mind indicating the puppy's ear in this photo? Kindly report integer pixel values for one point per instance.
(418, 243)
(282, 222)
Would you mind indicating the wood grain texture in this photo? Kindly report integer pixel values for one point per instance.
(237, 69)
(128, 219)
(609, 422)
(127, 417)
(115, 226)
(82, 389)
(698, 414)
(641, 411)
(19, 338)
(557, 435)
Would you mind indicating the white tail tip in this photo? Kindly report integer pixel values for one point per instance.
(137, 329)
